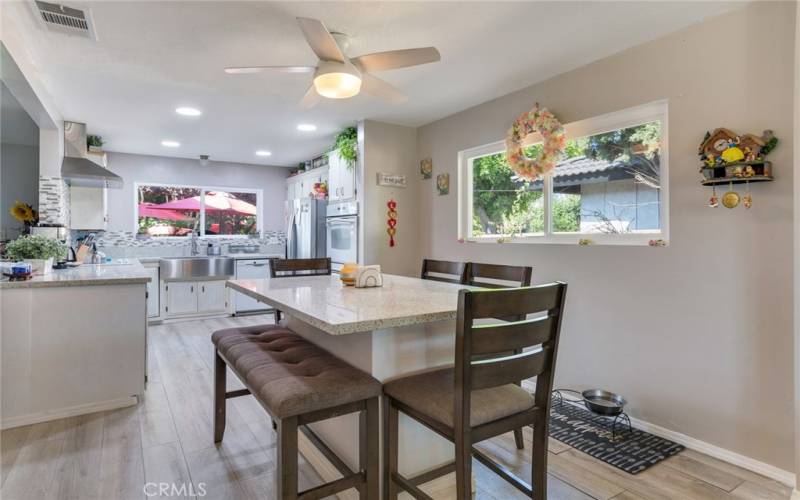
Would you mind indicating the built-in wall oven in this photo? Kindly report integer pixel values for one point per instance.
(342, 233)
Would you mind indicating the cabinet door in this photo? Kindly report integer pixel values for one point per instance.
(212, 296)
(347, 180)
(334, 181)
(181, 298)
(153, 290)
(87, 208)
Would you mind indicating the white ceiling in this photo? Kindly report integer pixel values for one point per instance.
(152, 57)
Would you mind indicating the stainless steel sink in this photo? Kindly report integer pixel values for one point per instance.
(196, 268)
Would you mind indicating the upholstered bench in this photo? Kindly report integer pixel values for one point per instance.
(298, 383)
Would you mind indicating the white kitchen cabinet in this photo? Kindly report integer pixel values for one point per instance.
(153, 290)
(301, 185)
(187, 298)
(212, 297)
(88, 208)
(341, 178)
(181, 298)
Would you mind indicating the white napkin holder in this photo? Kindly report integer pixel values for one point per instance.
(369, 276)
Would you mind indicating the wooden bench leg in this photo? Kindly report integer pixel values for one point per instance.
(369, 449)
(518, 439)
(287, 459)
(277, 316)
(220, 380)
(390, 451)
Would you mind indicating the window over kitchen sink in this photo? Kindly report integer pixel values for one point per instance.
(164, 210)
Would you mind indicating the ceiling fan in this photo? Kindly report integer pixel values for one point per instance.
(339, 77)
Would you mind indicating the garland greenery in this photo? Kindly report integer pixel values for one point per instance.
(347, 144)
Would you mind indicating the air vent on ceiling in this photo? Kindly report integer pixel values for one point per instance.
(65, 19)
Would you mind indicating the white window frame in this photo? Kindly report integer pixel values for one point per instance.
(654, 111)
(203, 189)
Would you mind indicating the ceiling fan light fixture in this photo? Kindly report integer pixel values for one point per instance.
(337, 80)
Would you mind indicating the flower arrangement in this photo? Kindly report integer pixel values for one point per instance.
(24, 213)
(34, 247)
(554, 140)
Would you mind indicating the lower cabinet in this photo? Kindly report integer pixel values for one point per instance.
(195, 297)
(153, 290)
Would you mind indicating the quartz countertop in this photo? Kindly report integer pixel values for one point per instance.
(117, 272)
(325, 303)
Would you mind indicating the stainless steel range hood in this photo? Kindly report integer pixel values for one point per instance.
(76, 168)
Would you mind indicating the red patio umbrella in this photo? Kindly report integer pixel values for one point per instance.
(215, 202)
(151, 210)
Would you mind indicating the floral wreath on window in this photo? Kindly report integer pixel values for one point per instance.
(554, 139)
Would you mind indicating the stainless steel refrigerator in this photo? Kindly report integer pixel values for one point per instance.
(305, 231)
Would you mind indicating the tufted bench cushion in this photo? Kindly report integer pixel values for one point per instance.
(290, 375)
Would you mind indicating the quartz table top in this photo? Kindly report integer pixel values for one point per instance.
(118, 272)
(325, 303)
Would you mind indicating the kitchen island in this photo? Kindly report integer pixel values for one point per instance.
(406, 326)
(73, 342)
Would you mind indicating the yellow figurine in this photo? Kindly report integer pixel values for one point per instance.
(732, 154)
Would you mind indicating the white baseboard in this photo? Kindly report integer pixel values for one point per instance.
(711, 450)
(72, 411)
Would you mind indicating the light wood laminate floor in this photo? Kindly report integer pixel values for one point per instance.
(167, 439)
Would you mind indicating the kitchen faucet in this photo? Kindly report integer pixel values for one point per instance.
(195, 250)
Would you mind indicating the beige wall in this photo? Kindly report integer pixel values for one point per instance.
(389, 149)
(697, 335)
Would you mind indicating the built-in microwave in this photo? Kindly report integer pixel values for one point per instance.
(342, 233)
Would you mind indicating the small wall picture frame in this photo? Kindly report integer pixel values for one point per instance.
(392, 180)
(443, 184)
(426, 168)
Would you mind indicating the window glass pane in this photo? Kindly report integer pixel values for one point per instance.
(610, 183)
(230, 213)
(167, 211)
(503, 204)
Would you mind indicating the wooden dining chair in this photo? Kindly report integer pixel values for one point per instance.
(497, 275)
(288, 268)
(501, 276)
(444, 270)
(478, 399)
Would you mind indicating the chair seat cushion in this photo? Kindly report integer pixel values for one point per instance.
(431, 393)
(290, 375)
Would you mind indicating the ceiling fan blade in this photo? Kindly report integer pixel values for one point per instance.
(320, 40)
(264, 69)
(393, 59)
(379, 88)
(310, 99)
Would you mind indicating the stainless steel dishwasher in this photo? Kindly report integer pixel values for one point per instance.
(255, 269)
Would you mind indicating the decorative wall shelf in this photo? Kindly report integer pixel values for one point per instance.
(736, 173)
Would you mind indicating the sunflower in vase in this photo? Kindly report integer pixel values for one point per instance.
(24, 213)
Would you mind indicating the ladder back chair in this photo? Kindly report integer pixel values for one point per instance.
(478, 399)
(501, 276)
(289, 268)
(444, 270)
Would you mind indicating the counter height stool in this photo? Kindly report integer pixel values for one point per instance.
(290, 268)
(299, 383)
(478, 399)
(444, 270)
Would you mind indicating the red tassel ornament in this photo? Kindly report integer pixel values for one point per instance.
(392, 221)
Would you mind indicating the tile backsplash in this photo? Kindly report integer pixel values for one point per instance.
(120, 244)
(53, 201)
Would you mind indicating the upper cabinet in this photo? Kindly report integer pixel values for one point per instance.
(341, 178)
(302, 185)
(88, 208)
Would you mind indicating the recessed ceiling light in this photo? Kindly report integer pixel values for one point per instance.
(263, 153)
(186, 111)
(306, 127)
(170, 144)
